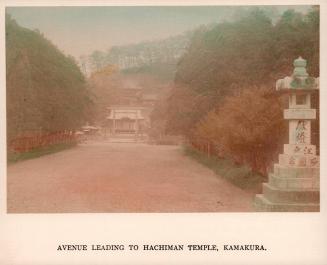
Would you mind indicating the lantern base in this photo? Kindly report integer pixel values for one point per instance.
(262, 204)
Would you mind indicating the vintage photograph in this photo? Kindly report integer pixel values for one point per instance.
(162, 109)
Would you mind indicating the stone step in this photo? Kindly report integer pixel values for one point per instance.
(290, 196)
(300, 149)
(125, 140)
(295, 172)
(125, 135)
(294, 183)
(299, 160)
(262, 204)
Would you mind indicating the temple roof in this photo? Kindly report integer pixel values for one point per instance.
(119, 114)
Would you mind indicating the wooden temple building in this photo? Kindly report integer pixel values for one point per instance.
(132, 114)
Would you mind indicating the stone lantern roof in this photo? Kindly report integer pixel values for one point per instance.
(299, 80)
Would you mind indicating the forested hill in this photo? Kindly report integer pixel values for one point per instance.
(138, 57)
(45, 89)
(224, 91)
(240, 54)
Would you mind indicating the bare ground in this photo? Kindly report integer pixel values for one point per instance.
(117, 177)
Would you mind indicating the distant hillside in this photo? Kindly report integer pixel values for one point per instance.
(140, 57)
(163, 55)
(45, 89)
(161, 71)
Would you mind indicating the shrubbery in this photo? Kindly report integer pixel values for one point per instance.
(247, 126)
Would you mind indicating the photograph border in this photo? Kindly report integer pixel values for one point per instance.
(290, 238)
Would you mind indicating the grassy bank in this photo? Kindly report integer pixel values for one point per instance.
(37, 152)
(239, 175)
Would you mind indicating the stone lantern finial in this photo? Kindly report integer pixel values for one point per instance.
(300, 67)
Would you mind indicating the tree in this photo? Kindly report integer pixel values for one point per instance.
(46, 90)
(248, 126)
(229, 56)
(97, 59)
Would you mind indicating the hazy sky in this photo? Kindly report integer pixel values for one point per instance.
(81, 30)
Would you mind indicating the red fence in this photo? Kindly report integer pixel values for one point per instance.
(30, 142)
(214, 150)
(207, 148)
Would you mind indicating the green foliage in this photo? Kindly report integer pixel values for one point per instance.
(240, 175)
(154, 57)
(296, 35)
(163, 71)
(45, 89)
(233, 55)
(185, 107)
(238, 57)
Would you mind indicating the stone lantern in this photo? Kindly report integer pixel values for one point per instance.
(294, 184)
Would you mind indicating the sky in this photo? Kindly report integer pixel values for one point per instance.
(79, 31)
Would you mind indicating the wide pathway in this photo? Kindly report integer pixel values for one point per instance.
(116, 177)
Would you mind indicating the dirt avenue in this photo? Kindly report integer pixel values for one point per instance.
(120, 177)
